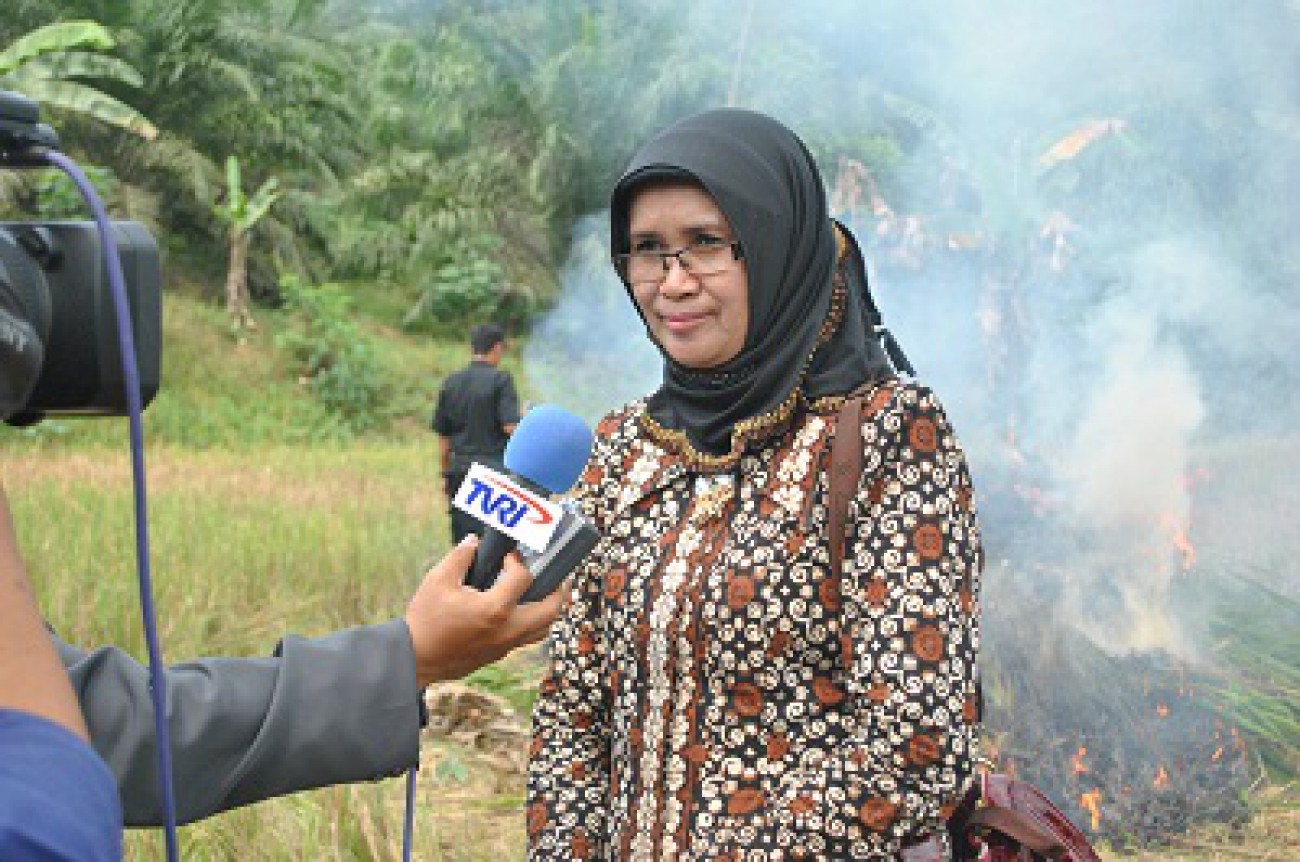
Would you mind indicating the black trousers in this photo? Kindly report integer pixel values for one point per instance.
(461, 524)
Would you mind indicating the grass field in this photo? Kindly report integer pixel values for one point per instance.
(248, 547)
(258, 533)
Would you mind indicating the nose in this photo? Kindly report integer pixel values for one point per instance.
(678, 279)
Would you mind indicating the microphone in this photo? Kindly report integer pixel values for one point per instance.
(544, 456)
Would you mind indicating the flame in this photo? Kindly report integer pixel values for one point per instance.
(1177, 530)
(1077, 760)
(1091, 801)
(1162, 710)
(1218, 752)
(1185, 547)
(1161, 780)
(1079, 139)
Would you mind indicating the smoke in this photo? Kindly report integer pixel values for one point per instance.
(590, 353)
(1122, 479)
(1080, 219)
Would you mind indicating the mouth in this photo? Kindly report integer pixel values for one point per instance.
(681, 321)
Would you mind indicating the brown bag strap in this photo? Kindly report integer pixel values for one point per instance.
(846, 463)
(846, 471)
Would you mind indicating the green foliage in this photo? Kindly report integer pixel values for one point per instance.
(333, 357)
(240, 210)
(513, 681)
(444, 209)
(468, 286)
(1256, 636)
(451, 769)
(47, 64)
(57, 196)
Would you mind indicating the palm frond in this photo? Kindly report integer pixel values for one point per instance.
(83, 99)
(63, 36)
(83, 64)
(924, 120)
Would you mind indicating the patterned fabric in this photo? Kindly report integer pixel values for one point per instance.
(717, 693)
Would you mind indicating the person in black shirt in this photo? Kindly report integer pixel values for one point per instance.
(477, 409)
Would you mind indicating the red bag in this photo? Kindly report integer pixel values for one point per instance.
(1005, 820)
(1017, 822)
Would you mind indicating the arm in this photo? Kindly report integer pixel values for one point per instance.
(30, 677)
(441, 424)
(56, 797)
(909, 642)
(508, 406)
(444, 452)
(569, 768)
(329, 710)
(334, 709)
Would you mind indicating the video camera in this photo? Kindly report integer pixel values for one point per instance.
(59, 347)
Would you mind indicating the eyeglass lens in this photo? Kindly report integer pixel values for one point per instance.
(698, 259)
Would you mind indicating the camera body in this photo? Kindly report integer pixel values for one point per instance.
(59, 341)
(57, 271)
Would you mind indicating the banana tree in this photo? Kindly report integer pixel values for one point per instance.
(241, 213)
(50, 63)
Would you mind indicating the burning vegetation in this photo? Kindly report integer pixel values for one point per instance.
(1128, 747)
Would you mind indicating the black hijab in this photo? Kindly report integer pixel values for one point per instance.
(765, 182)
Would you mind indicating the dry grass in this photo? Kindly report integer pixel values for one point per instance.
(250, 546)
(1273, 835)
(245, 547)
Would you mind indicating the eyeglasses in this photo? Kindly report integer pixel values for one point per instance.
(702, 257)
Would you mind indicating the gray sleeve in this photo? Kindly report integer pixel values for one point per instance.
(321, 711)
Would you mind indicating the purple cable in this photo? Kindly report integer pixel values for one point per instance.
(408, 820)
(126, 341)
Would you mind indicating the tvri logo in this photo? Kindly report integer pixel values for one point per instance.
(500, 503)
(508, 505)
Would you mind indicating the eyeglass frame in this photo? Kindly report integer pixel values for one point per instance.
(625, 258)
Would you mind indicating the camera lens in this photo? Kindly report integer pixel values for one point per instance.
(26, 283)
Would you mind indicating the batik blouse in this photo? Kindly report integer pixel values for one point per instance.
(716, 692)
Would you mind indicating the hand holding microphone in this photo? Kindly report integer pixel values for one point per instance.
(545, 456)
(456, 630)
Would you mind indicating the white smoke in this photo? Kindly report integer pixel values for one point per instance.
(590, 354)
(1124, 394)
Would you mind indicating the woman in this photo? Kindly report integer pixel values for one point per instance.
(728, 680)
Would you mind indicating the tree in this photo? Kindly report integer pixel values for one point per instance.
(241, 214)
(49, 64)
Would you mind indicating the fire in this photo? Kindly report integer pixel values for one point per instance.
(1077, 760)
(1091, 801)
(1185, 547)
(1177, 530)
(1162, 710)
(1218, 752)
(1162, 778)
